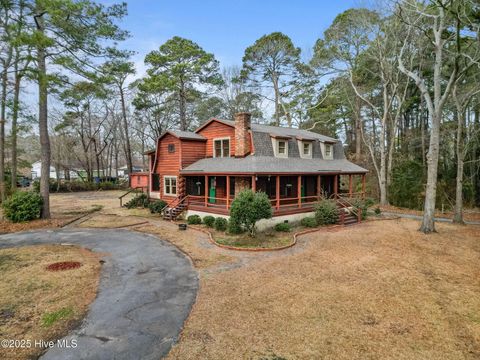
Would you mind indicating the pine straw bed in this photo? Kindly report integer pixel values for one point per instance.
(379, 290)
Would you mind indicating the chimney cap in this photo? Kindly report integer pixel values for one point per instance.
(243, 113)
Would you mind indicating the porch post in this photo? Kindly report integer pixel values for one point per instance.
(206, 190)
(350, 185)
(319, 191)
(254, 184)
(335, 185)
(299, 190)
(363, 186)
(228, 191)
(277, 191)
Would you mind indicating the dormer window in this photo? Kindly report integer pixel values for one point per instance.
(221, 147)
(282, 147)
(307, 149)
(328, 150)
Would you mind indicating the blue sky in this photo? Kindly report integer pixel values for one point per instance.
(226, 28)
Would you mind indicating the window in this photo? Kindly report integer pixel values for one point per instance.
(306, 148)
(170, 185)
(155, 182)
(328, 150)
(171, 148)
(282, 147)
(221, 147)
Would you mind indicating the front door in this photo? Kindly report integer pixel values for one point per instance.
(212, 192)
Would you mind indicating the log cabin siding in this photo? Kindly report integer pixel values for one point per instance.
(167, 164)
(139, 180)
(192, 151)
(216, 130)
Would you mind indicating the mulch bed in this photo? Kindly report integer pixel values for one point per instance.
(64, 265)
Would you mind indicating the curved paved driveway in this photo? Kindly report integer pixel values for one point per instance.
(146, 291)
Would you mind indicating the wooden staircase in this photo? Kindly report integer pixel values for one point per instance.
(173, 210)
(348, 213)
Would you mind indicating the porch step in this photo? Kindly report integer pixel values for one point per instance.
(173, 212)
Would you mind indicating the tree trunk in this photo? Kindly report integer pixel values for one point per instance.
(43, 123)
(428, 222)
(277, 100)
(16, 95)
(358, 129)
(3, 107)
(183, 108)
(458, 212)
(128, 150)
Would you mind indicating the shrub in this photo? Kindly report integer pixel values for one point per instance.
(407, 185)
(221, 224)
(378, 211)
(362, 206)
(157, 206)
(194, 220)
(106, 185)
(233, 227)
(209, 221)
(284, 227)
(309, 222)
(23, 206)
(326, 212)
(249, 207)
(140, 200)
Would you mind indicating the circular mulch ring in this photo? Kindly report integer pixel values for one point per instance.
(64, 265)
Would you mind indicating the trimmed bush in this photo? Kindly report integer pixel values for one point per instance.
(156, 206)
(249, 207)
(209, 221)
(140, 200)
(221, 224)
(234, 227)
(326, 212)
(194, 220)
(309, 222)
(283, 227)
(23, 206)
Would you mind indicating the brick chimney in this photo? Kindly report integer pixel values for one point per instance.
(242, 137)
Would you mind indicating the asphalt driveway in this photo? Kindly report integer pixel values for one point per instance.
(146, 291)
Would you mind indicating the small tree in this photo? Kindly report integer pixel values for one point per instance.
(249, 207)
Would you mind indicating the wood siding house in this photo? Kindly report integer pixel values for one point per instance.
(203, 170)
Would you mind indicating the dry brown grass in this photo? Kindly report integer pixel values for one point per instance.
(9, 227)
(188, 242)
(111, 221)
(379, 290)
(262, 240)
(30, 296)
(468, 214)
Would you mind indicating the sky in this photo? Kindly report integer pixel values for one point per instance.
(226, 28)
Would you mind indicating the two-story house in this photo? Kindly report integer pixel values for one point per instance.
(202, 171)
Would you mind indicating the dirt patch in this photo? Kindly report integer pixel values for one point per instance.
(36, 304)
(63, 265)
(377, 290)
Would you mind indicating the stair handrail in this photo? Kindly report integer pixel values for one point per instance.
(347, 204)
(172, 202)
(129, 191)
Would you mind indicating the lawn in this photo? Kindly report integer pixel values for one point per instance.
(36, 304)
(378, 290)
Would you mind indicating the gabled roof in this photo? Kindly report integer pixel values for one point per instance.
(187, 135)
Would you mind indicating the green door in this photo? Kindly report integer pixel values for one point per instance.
(212, 192)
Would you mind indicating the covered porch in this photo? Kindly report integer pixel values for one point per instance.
(288, 194)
